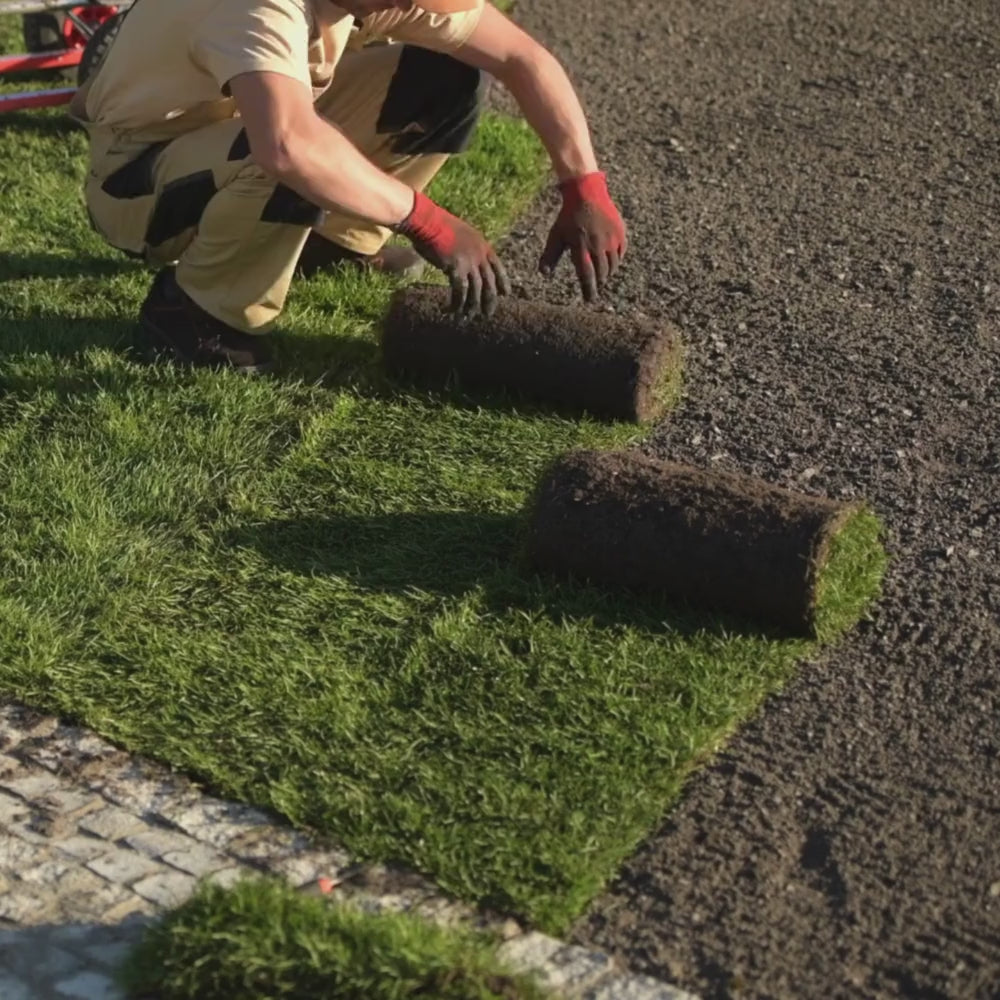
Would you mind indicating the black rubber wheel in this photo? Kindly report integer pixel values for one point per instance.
(42, 32)
(97, 47)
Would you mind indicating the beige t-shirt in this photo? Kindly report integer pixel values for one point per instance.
(168, 69)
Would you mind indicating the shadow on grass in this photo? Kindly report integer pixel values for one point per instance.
(334, 362)
(16, 266)
(44, 123)
(356, 363)
(349, 357)
(337, 361)
(453, 553)
(62, 338)
(453, 394)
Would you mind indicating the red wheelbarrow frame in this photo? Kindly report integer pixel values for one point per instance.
(82, 27)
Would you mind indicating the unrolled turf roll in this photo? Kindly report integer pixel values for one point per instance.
(708, 539)
(584, 360)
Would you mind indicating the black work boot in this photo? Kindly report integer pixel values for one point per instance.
(173, 325)
(320, 254)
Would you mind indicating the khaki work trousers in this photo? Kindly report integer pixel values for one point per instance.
(199, 200)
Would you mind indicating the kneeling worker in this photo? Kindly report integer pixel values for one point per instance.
(232, 141)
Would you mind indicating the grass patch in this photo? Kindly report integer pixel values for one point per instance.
(851, 574)
(262, 940)
(301, 589)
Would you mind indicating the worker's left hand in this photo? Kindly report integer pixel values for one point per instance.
(591, 228)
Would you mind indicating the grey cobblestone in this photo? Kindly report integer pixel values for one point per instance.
(14, 988)
(12, 729)
(131, 787)
(47, 873)
(93, 902)
(55, 961)
(24, 953)
(23, 904)
(20, 724)
(89, 986)
(81, 881)
(155, 843)
(26, 831)
(300, 870)
(123, 866)
(228, 877)
(213, 821)
(31, 786)
(387, 902)
(573, 969)
(265, 844)
(166, 889)
(445, 912)
(11, 807)
(111, 823)
(16, 854)
(529, 952)
(635, 988)
(56, 815)
(51, 755)
(130, 908)
(82, 847)
(71, 802)
(66, 746)
(109, 955)
(199, 860)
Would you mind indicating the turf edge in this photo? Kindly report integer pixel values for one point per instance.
(849, 579)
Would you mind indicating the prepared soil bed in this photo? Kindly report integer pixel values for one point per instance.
(586, 360)
(710, 540)
(813, 198)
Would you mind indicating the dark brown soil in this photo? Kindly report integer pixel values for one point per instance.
(707, 538)
(813, 193)
(570, 358)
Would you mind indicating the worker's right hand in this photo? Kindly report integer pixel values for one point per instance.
(461, 251)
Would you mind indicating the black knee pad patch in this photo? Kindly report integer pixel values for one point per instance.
(135, 179)
(288, 207)
(433, 103)
(240, 149)
(180, 206)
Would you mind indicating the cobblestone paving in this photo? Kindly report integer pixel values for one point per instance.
(95, 843)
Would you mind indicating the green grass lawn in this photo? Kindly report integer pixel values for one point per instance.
(303, 589)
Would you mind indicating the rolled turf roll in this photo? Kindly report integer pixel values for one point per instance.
(709, 539)
(611, 366)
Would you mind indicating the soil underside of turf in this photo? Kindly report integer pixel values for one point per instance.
(574, 359)
(813, 197)
(707, 538)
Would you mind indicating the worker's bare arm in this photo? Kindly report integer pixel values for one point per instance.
(589, 226)
(304, 151)
(298, 147)
(539, 84)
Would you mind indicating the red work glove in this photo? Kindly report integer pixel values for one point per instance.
(591, 228)
(461, 251)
